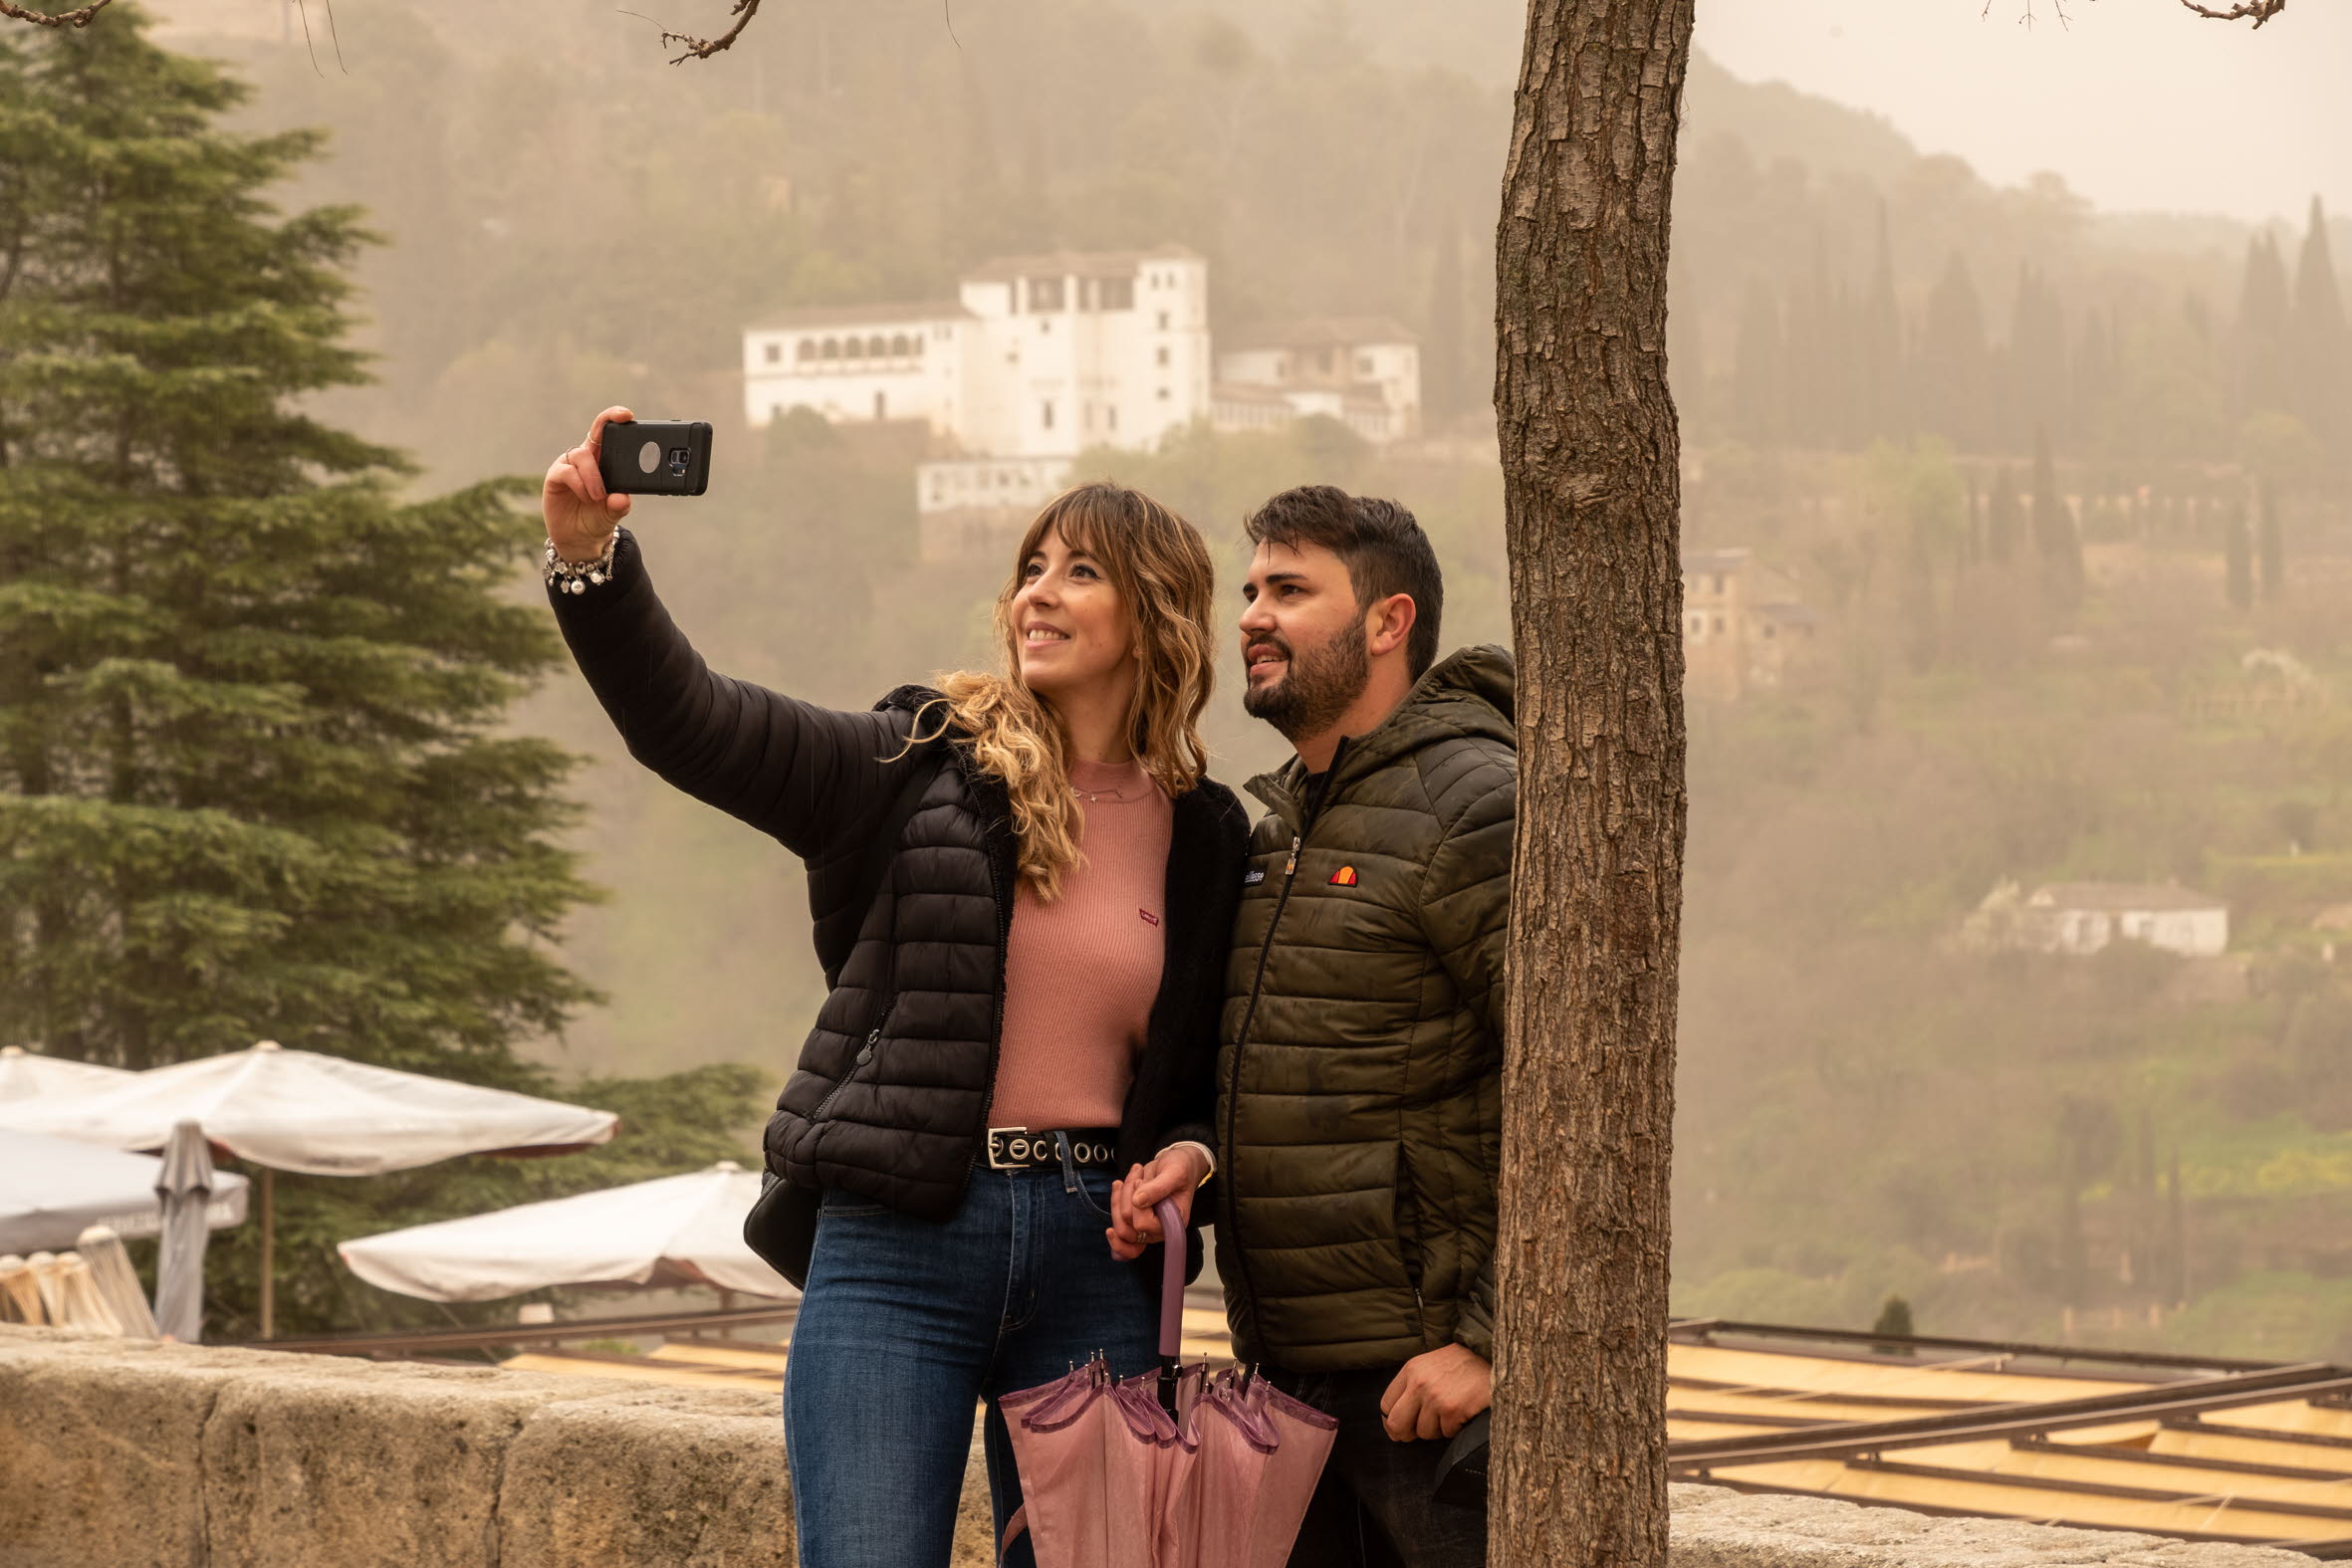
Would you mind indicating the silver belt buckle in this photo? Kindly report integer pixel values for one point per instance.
(1011, 1161)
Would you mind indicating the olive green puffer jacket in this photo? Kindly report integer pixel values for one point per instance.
(1359, 1083)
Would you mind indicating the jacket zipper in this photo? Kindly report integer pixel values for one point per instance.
(1232, 1089)
(865, 1056)
(995, 1023)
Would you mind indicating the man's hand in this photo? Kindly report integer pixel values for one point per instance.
(1436, 1393)
(1133, 1226)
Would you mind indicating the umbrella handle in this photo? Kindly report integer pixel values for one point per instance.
(1171, 1279)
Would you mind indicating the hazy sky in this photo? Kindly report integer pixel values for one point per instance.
(2140, 104)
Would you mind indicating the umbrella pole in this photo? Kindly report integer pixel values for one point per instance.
(268, 1305)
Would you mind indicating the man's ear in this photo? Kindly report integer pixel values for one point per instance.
(1388, 623)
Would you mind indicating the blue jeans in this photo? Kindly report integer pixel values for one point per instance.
(907, 1324)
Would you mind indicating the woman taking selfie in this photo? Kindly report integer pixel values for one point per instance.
(1022, 1006)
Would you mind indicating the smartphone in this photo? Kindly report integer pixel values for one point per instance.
(656, 457)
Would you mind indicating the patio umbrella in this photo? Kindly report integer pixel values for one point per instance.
(672, 1230)
(296, 1110)
(25, 1074)
(1170, 1469)
(184, 1182)
(53, 1189)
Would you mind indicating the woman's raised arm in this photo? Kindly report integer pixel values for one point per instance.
(807, 774)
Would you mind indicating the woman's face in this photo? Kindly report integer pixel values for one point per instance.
(1068, 625)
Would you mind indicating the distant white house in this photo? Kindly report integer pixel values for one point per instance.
(1036, 357)
(1362, 371)
(2083, 917)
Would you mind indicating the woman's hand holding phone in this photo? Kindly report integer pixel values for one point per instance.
(581, 515)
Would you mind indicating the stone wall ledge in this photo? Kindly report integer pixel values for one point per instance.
(117, 1453)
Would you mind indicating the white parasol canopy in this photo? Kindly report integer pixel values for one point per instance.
(676, 1229)
(52, 1189)
(296, 1110)
(25, 1074)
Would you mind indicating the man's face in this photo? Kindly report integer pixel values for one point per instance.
(1304, 654)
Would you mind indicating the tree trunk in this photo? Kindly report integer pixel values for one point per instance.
(1591, 488)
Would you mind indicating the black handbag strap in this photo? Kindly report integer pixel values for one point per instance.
(883, 848)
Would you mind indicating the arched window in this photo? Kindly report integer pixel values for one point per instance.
(806, 351)
(876, 347)
(831, 348)
(901, 346)
(852, 350)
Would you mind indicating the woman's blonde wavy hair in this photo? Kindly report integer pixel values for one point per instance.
(1166, 584)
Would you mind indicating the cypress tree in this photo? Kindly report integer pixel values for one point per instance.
(2238, 554)
(2005, 519)
(2056, 537)
(1880, 351)
(2271, 542)
(2323, 338)
(251, 783)
(1952, 384)
(2265, 373)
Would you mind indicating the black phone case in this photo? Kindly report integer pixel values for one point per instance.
(681, 456)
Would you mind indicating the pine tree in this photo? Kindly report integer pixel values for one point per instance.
(250, 780)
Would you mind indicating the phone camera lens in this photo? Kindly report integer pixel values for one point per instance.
(678, 461)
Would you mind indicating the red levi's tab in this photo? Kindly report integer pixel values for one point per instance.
(1149, 918)
(1343, 877)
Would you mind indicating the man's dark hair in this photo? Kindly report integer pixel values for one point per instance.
(1381, 546)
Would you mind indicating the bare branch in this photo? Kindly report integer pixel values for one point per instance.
(704, 48)
(2255, 11)
(76, 18)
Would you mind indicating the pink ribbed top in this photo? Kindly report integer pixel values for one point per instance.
(1081, 973)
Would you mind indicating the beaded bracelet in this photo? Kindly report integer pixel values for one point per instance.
(574, 576)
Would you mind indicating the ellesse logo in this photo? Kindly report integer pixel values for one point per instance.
(1343, 877)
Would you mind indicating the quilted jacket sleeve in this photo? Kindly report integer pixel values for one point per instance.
(806, 774)
(1465, 909)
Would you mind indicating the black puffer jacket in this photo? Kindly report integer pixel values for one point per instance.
(906, 1124)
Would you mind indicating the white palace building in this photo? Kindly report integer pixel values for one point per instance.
(1040, 357)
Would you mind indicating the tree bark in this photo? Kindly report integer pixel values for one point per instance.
(1591, 490)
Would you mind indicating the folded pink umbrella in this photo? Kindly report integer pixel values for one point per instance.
(1178, 1468)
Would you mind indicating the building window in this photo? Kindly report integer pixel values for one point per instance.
(1698, 625)
(1111, 417)
(1044, 293)
(881, 405)
(806, 351)
(1163, 394)
(1046, 413)
(1719, 625)
(1768, 631)
(1118, 294)
(1363, 364)
(852, 348)
(775, 354)
(831, 348)
(1086, 294)
(876, 347)
(1163, 354)
(900, 347)
(1044, 324)
(1163, 321)
(1718, 584)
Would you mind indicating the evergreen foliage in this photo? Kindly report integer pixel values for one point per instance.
(252, 780)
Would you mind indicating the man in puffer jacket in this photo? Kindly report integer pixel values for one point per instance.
(1360, 1068)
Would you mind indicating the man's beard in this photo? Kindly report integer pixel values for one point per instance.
(1317, 688)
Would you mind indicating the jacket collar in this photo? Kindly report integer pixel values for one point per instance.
(1468, 693)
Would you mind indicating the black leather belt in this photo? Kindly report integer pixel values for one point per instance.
(1019, 1149)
